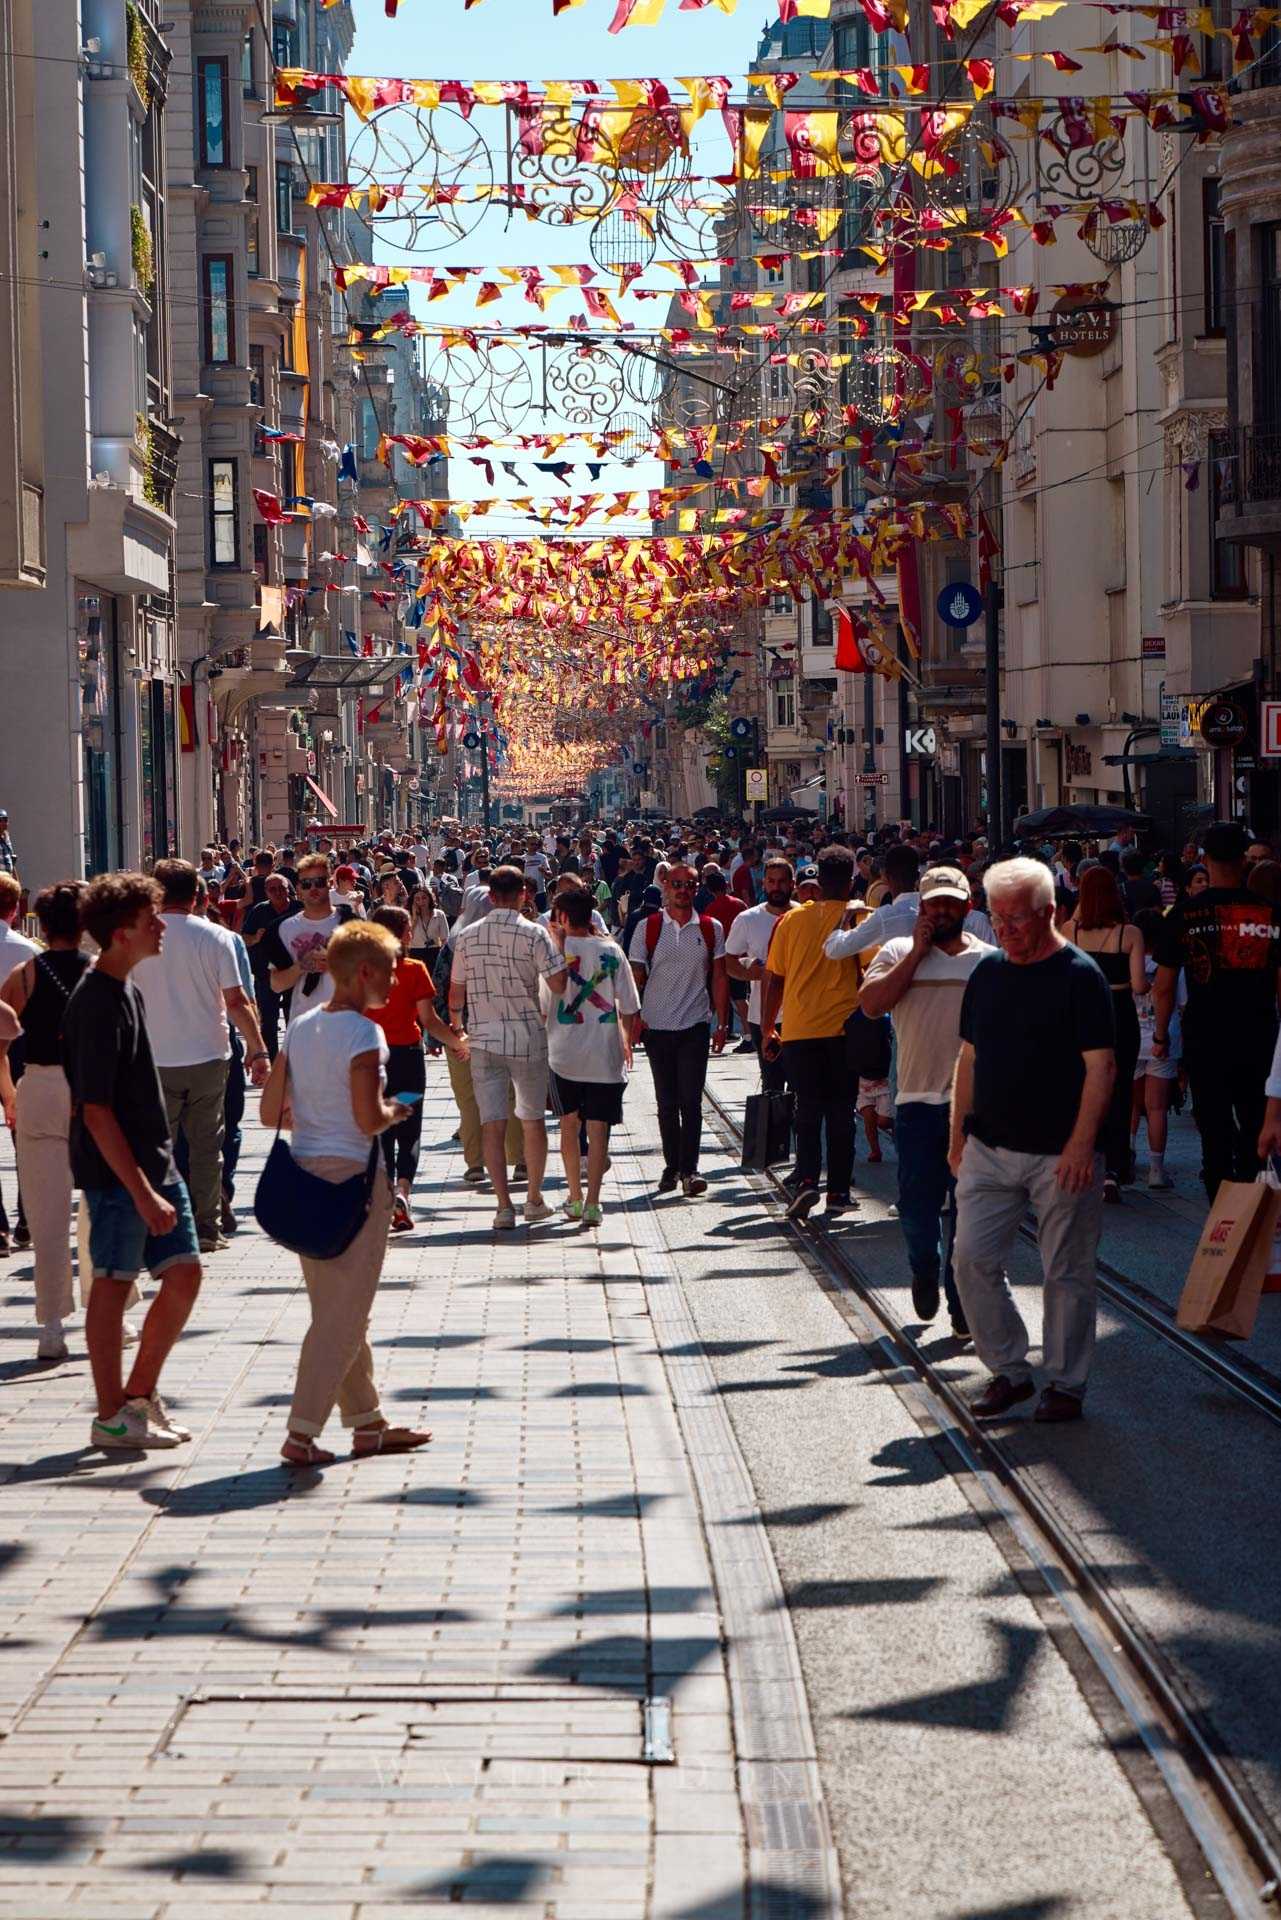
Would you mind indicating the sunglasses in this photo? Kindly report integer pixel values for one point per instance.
(312, 886)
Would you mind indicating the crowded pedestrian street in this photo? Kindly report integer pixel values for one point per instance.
(687, 1595)
(640, 959)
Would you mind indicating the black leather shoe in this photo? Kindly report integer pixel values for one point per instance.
(1054, 1404)
(668, 1182)
(692, 1184)
(999, 1395)
(925, 1295)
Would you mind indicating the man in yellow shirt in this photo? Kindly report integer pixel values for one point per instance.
(814, 997)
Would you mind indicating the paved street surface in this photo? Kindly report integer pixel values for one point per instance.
(663, 1469)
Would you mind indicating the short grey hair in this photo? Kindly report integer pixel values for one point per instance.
(1030, 877)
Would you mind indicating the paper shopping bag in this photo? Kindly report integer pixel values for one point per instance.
(1272, 1279)
(767, 1130)
(1221, 1293)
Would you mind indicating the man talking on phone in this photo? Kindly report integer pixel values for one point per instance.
(920, 980)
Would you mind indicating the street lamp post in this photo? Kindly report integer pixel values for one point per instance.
(869, 750)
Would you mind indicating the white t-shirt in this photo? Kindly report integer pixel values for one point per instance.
(584, 1038)
(537, 867)
(321, 1047)
(299, 936)
(750, 933)
(15, 950)
(182, 988)
(927, 1020)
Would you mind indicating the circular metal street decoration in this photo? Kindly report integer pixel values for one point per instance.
(471, 741)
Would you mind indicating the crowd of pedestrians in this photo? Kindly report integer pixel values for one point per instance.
(1014, 1024)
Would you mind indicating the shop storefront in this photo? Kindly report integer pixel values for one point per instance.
(101, 731)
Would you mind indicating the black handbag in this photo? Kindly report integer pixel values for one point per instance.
(867, 1045)
(305, 1214)
(767, 1130)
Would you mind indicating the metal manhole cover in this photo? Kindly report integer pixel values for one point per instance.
(525, 1723)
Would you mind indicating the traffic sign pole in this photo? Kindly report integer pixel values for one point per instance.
(992, 687)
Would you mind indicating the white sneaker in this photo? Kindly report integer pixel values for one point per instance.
(160, 1415)
(505, 1220)
(1159, 1180)
(132, 1428)
(130, 1333)
(52, 1344)
(535, 1215)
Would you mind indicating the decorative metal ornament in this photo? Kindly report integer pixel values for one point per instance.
(433, 152)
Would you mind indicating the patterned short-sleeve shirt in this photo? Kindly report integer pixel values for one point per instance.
(501, 960)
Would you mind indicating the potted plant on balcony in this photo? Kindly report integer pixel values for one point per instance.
(144, 259)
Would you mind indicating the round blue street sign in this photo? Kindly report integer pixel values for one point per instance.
(960, 604)
(471, 741)
(740, 729)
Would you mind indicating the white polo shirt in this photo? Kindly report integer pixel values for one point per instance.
(676, 992)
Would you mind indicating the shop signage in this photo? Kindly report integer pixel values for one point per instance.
(471, 741)
(1169, 719)
(1080, 762)
(870, 779)
(756, 783)
(1222, 724)
(1082, 327)
(1153, 646)
(1270, 730)
(920, 740)
(1191, 707)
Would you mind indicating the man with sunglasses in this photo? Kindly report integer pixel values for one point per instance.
(678, 958)
(297, 948)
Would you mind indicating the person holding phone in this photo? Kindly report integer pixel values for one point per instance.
(408, 1010)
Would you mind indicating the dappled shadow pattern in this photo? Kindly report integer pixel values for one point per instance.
(32, 1840)
(432, 1497)
(235, 1492)
(636, 1600)
(812, 1515)
(914, 1463)
(204, 1863)
(872, 1592)
(979, 1706)
(502, 1880)
(613, 1506)
(763, 1900)
(165, 1616)
(621, 1657)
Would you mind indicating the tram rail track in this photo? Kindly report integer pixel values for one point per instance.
(1240, 1845)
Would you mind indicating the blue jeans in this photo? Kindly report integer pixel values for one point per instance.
(926, 1193)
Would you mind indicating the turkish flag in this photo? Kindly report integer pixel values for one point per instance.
(850, 657)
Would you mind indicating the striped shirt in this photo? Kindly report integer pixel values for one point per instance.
(676, 987)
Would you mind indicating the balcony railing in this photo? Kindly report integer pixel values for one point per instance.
(1254, 477)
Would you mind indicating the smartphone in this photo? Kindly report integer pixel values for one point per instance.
(407, 1099)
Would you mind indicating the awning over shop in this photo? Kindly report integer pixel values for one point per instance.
(323, 798)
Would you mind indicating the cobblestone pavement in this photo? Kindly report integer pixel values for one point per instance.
(419, 1681)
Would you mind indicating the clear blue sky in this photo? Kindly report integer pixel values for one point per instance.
(520, 39)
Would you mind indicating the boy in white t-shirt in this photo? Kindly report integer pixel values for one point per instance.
(589, 1046)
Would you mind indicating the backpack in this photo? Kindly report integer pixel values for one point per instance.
(654, 928)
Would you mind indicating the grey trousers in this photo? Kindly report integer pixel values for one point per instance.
(993, 1192)
(194, 1098)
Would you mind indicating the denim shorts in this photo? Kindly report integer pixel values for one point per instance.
(120, 1245)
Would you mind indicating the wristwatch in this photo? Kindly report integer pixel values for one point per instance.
(254, 1058)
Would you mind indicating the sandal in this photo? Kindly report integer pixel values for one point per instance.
(300, 1452)
(367, 1440)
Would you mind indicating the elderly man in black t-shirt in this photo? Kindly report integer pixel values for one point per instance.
(1033, 1082)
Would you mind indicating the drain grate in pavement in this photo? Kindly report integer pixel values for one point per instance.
(526, 1723)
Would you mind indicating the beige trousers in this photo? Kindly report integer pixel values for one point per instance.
(44, 1174)
(335, 1364)
(469, 1117)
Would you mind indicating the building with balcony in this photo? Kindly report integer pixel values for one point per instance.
(262, 403)
(88, 685)
(1246, 484)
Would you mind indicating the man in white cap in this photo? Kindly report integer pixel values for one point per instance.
(920, 978)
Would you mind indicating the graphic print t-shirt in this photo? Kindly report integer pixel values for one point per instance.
(1228, 942)
(289, 945)
(584, 1039)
